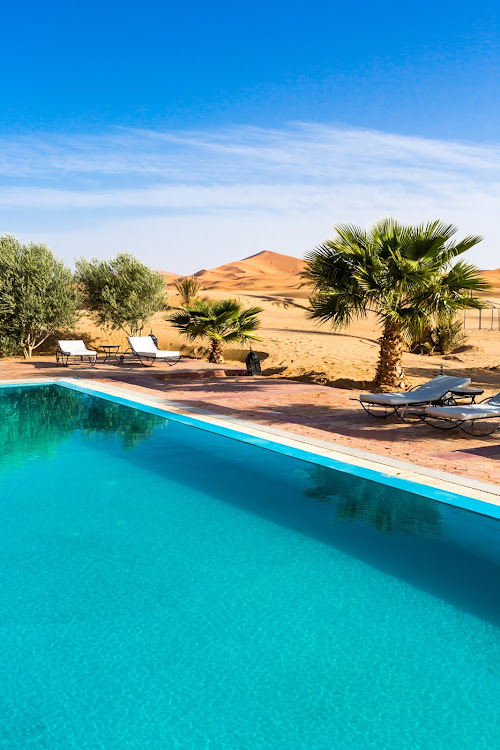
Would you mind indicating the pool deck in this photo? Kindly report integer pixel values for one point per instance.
(312, 413)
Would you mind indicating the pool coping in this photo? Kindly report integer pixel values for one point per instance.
(452, 489)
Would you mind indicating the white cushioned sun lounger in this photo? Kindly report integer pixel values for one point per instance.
(431, 392)
(146, 351)
(465, 416)
(74, 349)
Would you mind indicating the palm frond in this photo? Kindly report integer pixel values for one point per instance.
(339, 310)
(464, 276)
(466, 244)
(220, 320)
(402, 272)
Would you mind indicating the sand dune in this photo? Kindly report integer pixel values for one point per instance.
(169, 278)
(494, 279)
(263, 271)
(270, 271)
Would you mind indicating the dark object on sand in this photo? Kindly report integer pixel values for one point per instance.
(253, 363)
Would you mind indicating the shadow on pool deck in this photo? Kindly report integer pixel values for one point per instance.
(487, 451)
(313, 411)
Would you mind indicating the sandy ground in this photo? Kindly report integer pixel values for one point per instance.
(293, 346)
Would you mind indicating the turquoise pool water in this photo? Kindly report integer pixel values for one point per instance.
(165, 587)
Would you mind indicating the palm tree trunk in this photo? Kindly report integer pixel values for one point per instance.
(389, 368)
(216, 352)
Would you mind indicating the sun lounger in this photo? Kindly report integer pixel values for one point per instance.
(75, 349)
(147, 352)
(474, 419)
(408, 405)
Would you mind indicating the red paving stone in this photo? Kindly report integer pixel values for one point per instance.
(312, 410)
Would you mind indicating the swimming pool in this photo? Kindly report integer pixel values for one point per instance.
(164, 586)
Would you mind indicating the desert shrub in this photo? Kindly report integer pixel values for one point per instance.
(188, 289)
(449, 335)
(442, 338)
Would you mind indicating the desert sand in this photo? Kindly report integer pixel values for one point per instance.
(262, 271)
(294, 346)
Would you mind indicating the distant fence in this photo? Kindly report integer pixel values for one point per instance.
(486, 319)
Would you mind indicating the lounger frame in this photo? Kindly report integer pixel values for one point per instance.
(466, 425)
(147, 359)
(64, 357)
(383, 411)
(413, 410)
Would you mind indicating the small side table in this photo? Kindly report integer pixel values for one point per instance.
(111, 350)
(467, 391)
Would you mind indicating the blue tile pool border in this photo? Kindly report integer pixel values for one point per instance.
(434, 493)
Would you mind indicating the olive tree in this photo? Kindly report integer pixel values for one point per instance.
(37, 296)
(121, 293)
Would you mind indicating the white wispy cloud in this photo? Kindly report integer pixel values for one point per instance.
(187, 199)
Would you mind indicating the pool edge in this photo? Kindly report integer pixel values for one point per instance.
(451, 489)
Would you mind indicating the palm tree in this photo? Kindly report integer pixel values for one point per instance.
(188, 288)
(221, 322)
(406, 274)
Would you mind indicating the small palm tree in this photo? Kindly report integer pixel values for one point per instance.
(407, 275)
(221, 322)
(188, 288)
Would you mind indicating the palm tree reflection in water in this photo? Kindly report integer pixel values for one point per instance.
(388, 510)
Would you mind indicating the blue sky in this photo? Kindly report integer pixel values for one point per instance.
(195, 133)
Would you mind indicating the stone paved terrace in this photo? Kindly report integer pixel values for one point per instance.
(311, 410)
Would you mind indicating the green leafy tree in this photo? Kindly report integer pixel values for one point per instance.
(220, 322)
(408, 275)
(121, 293)
(37, 296)
(188, 288)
